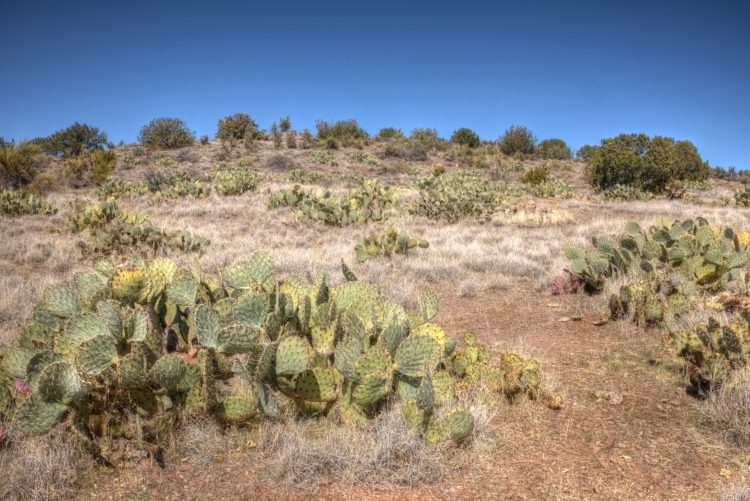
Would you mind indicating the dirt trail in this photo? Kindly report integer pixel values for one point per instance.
(651, 445)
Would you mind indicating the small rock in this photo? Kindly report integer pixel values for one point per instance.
(612, 397)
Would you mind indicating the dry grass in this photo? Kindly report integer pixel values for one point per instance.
(728, 408)
(42, 468)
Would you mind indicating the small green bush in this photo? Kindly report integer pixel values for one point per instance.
(426, 137)
(389, 134)
(343, 132)
(586, 151)
(91, 168)
(410, 150)
(285, 124)
(536, 175)
(466, 137)
(517, 139)
(237, 127)
(20, 163)
(166, 133)
(75, 140)
(554, 149)
(644, 162)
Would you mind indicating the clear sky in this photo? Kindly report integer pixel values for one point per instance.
(580, 71)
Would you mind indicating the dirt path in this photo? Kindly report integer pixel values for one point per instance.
(651, 445)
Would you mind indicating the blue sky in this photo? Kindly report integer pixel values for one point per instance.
(580, 71)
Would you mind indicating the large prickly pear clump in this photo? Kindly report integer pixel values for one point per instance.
(127, 352)
(18, 203)
(368, 202)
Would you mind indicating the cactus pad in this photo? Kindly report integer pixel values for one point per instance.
(292, 356)
(457, 425)
(168, 372)
(250, 309)
(37, 417)
(417, 355)
(238, 409)
(236, 338)
(96, 354)
(60, 301)
(316, 385)
(59, 383)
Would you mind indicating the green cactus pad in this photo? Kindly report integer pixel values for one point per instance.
(7, 406)
(250, 309)
(323, 338)
(375, 362)
(457, 425)
(90, 286)
(166, 266)
(139, 326)
(60, 301)
(434, 331)
(37, 417)
(316, 385)
(247, 274)
(168, 372)
(84, 327)
(238, 409)
(15, 362)
(425, 396)
(236, 338)
(182, 291)
(38, 363)
(415, 416)
(97, 354)
(109, 313)
(428, 306)
(417, 355)
(372, 389)
(443, 384)
(207, 323)
(133, 372)
(292, 356)
(59, 383)
(104, 266)
(347, 352)
(35, 336)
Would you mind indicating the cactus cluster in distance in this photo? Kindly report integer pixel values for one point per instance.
(113, 230)
(391, 241)
(18, 203)
(368, 202)
(128, 352)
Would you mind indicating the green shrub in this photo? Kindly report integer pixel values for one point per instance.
(624, 193)
(343, 132)
(285, 124)
(17, 203)
(586, 151)
(426, 137)
(360, 157)
(517, 139)
(409, 150)
(166, 133)
(647, 163)
(237, 127)
(90, 168)
(536, 175)
(389, 134)
(466, 137)
(75, 140)
(554, 149)
(20, 163)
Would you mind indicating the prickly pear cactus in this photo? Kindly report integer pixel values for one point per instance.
(386, 244)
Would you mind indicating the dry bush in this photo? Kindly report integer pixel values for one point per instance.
(728, 408)
(42, 468)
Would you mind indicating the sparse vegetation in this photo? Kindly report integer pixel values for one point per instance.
(517, 140)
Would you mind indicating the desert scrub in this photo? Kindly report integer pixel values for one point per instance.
(20, 163)
(322, 157)
(456, 195)
(360, 157)
(114, 231)
(386, 244)
(235, 180)
(175, 184)
(115, 188)
(18, 203)
(368, 202)
(236, 127)
(89, 169)
(466, 137)
(536, 175)
(126, 353)
(742, 198)
(554, 149)
(517, 140)
(625, 193)
(75, 140)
